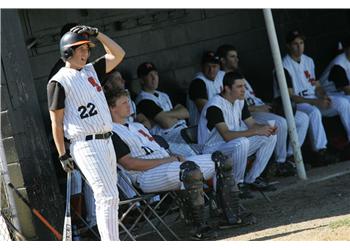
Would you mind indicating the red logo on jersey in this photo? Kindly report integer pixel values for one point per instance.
(146, 135)
(94, 83)
(308, 76)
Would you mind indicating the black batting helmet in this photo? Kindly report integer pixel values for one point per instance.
(70, 40)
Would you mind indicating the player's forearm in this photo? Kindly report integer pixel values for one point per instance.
(231, 135)
(179, 112)
(135, 164)
(113, 50)
(58, 136)
(300, 99)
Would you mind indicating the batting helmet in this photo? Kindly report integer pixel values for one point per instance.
(70, 40)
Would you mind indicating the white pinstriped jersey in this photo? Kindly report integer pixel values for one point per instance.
(302, 74)
(86, 111)
(232, 114)
(340, 60)
(141, 143)
(213, 88)
(162, 101)
(250, 97)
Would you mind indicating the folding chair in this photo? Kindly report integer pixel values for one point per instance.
(140, 204)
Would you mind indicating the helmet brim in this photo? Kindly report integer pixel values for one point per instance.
(91, 44)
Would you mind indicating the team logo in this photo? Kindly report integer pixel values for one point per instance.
(308, 76)
(93, 82)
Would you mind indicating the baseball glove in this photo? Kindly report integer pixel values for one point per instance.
(80, 29)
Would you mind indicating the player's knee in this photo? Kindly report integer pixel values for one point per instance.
(315, 114)
(191, 175)
(303, 118)
(281, 124)
(242, 144)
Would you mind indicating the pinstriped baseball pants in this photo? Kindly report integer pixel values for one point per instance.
(97, 161)
(240, 148)
(165, 177)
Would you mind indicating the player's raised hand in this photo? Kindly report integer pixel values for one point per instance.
(80, 29)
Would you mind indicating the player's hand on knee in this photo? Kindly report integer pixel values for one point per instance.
(264, 130)
(67, 162)
(80, 29)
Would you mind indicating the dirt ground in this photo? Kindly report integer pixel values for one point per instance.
(312, 210)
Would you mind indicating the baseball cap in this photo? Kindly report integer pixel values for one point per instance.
(210, 57)
(144, 68)
(294, 34)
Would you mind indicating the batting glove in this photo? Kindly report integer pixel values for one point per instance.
(67, 162)
(80, 29)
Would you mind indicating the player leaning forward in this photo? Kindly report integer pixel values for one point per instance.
(79, 112)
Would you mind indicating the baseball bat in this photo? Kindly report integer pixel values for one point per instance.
(37, 213)
(67, 227)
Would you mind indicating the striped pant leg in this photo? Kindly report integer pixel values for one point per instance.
(166, 177)
(282, 132)
(340, 106)
(237, 149)
(263, 147)
(317, 133)
(302, 124)
(90, 206)
(97, 161)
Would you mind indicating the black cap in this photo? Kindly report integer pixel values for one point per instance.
(210, 57)
(144, 68)
(294, 34)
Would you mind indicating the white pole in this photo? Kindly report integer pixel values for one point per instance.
(276, 54)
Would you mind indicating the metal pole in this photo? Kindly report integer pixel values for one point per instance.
(270, 26)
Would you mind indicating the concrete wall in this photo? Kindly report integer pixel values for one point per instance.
(174, 40)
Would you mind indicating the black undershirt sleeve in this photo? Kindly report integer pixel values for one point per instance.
(197, 90)
(214, 116)
(245, 112)
(149, 108)
(339, 77)
(120, 147)
(100, 68)
(55, 96)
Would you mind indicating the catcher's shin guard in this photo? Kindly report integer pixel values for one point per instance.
(226, 188)
(193, 196)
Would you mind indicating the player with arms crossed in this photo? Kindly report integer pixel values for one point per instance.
(79, 112)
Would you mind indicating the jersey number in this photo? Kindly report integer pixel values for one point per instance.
(148, 150)
(87, 111)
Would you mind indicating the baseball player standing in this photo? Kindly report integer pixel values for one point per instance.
(204, 86)
(309, 95)
(226, 125)
(79, 112)
(261, 113)
(166, 120)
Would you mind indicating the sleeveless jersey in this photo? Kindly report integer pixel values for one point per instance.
(213, 88)
(232, 114)
(302, 75)
(162, 101)
(86, 110)
(343, 62)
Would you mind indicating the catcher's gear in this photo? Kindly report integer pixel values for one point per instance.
(226, 188)
(67, 162)
(192, 200)
(81, 29)
(70, 40)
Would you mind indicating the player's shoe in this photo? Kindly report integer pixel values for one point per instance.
(203, 232)
(261, 185)
(244, 192)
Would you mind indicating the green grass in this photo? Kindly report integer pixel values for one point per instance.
(340, 223)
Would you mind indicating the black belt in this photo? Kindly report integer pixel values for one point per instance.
(98, 136)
